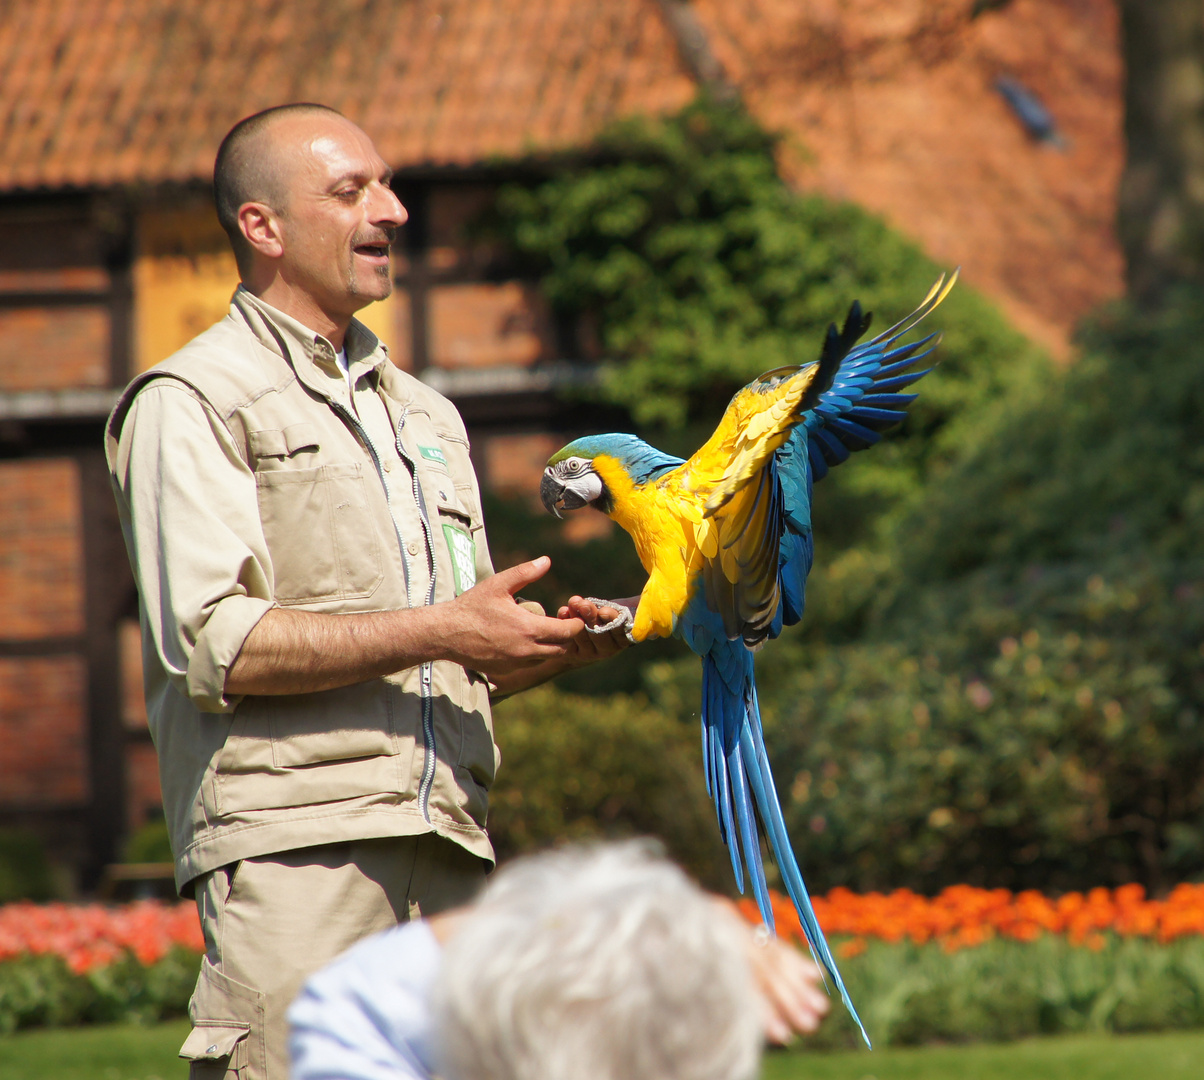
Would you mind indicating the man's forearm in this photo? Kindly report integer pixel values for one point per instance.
(482, 629)
(300, 652)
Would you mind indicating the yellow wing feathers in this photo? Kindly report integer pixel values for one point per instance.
(755, 424)
(678, 543)
(705, 517)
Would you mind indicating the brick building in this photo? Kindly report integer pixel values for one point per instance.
(111, 257)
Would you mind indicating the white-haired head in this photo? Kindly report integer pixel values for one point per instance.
(597, 963)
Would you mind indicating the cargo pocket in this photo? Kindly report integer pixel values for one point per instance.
(227, 1035)
(216, 1051)
(321, 533)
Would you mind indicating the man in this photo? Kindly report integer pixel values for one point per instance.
(322, 628)
(584, 963)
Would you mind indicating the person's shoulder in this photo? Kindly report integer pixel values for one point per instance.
(219, 367)
(226, 343)
(225, 364)
(442, 411)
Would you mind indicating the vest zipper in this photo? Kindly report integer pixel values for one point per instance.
(428, 720)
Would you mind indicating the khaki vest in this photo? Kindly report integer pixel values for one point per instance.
(409, 753)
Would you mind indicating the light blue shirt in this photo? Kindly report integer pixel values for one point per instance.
(366, 1016)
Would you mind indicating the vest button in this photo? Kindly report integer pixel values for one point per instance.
(412, 547)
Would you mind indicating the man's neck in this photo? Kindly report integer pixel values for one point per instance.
(302, 307)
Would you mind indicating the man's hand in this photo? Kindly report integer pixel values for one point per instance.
(587, 648)
(582, 647)
(488, 631)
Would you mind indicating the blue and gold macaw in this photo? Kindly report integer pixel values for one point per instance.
(726, 540)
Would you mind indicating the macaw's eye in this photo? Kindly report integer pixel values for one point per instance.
(574, 465)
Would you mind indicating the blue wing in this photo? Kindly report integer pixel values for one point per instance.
(857, 401)
(855, 398)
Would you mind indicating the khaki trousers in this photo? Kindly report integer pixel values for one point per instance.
(271, 922)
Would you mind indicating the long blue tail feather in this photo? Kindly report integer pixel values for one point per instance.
(743, 788)
(750, 841)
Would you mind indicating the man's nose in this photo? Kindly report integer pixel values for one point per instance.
(386, 208)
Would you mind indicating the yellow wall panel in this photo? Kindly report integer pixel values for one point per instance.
(185, 273)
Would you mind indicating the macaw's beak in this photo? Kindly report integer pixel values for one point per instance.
(551, 493)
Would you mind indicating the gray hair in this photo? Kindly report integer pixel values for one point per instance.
(597, 963)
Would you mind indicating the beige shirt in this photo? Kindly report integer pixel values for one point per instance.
(249, 476)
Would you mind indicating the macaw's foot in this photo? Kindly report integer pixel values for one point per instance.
(623, 621)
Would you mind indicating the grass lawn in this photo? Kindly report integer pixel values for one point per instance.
(128, 1052)
(1174, 1056)
(104, 1052)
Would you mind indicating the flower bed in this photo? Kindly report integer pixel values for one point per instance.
(967, 964)
(65, 964)
(989, 964)
(963, 916)
(91, 936)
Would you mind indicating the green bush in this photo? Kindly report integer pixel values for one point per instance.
(1104, 461)
(576, 768)
(42, 991)
(911, 994)
(24, 869)
(1018, 749)
(150, 844)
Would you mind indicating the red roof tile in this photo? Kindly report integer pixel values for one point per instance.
(889, 103)
(100, 92)
(893, 105)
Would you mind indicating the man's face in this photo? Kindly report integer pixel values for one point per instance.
(339, 214)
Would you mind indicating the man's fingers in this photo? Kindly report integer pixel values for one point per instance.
(588, 612)
(560, 631)
(514, 578)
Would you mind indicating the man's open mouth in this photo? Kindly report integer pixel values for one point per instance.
(373, 251)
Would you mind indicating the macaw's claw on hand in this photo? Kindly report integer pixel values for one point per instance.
(625, 620)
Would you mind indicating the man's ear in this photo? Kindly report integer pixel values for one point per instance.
(260, 225)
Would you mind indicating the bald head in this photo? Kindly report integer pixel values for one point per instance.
(250, 167)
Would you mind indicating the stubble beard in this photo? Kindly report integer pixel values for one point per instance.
(381, 274)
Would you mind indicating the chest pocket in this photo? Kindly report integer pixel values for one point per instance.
(317, 520)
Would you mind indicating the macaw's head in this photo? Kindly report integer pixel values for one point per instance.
(593, 470)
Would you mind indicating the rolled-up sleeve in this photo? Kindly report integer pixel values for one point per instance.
(191, 520)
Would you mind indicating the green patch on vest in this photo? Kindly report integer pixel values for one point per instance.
(433, 453)
(463, 550)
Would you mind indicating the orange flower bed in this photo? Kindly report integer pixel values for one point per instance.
(90, 936)
(963, 916)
